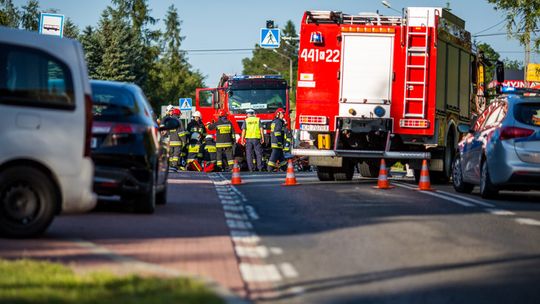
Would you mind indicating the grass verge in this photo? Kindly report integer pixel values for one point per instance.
(26, 281)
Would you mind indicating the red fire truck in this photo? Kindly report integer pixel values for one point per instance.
(393, 87)
(235, 94)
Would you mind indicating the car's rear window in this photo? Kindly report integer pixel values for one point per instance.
(528, 113)
(112, 102)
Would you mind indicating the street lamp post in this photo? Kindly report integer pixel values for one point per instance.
(290, 66)
(271, 69)
(389, 6)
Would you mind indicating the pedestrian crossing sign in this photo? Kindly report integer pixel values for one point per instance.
(270, 38)
(185, 104)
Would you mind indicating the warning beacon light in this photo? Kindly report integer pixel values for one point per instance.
(316, 38)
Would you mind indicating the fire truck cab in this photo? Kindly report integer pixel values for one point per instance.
(235, 94)
(392, 87)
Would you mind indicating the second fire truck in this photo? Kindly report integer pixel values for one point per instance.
(393, 87)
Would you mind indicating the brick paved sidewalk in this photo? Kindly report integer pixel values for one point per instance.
(188, 235)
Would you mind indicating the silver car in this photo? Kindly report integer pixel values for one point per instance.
(502, 148)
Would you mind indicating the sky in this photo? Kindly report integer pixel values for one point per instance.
(235, 24)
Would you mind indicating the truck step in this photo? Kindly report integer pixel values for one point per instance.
(413, 115)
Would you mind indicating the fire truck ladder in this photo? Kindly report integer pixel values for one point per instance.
(414, 50)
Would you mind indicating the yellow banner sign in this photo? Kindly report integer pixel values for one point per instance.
(533, 72)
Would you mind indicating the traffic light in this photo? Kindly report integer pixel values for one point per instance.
(270, 24)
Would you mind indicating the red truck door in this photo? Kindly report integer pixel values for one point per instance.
(207, 102)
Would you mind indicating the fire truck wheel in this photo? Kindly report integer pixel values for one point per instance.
(325, 174)
(345, 173)
(369, 169)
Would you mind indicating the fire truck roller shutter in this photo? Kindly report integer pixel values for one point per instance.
(367, 72)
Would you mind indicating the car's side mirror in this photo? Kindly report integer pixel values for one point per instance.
(169, 124)
(464, 128)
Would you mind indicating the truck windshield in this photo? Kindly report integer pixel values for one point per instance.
(260, 100)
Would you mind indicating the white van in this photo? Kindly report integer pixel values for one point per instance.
(45, 130)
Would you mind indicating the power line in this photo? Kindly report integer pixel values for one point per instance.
(215, 50)
(485, 30)
(501, 34)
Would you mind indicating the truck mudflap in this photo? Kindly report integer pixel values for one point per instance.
(363, 153)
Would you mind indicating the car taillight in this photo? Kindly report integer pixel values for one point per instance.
(88, 125)
(515, 132)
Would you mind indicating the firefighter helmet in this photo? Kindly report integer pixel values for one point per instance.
(169, 108)
(195, 135)
(196, 114)
(280, 110)
(176, 112)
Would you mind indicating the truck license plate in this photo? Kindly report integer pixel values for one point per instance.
(318, 128)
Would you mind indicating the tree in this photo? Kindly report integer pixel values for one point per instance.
(9, 14)
(490, 58)
(93, 51)
(115, 38)
(513, 64)
(173, 72)
(70, 29)
(30, 15)
(522, 18)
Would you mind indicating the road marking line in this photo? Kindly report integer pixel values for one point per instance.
(235, 224)
(499, 211)
(231, 202)
(450, 199)
(260, 273)
(233, 208)
(252, 252)
(276, 250)
(472, 200)
(242, 196)
(235, 216)
(251, 212)
(288, 270)
(244, 236)
(528, 221)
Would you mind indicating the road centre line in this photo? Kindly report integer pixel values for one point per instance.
(528, 221)
(450, 199)
(499, 211)
(472, 200)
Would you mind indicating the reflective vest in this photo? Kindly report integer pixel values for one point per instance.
(253, 128)
(224, 132)
(276, 133)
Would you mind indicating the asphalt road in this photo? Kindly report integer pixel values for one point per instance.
(349, 243)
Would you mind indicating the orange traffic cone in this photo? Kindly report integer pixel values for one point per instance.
(424, 184)
(290, 179)
(382, 181)
(235, 179)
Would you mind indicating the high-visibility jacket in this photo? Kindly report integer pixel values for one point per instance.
(209, 150)
(194, 150)
(224, 132)
(252, 126)
(178, 137)
(287, 141)
(277, 133)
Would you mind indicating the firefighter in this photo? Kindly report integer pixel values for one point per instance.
(194, 153)
(177, 140)
(196, 125)
(253, 137)
(209, 153)
(224, 140)
(277, 131)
